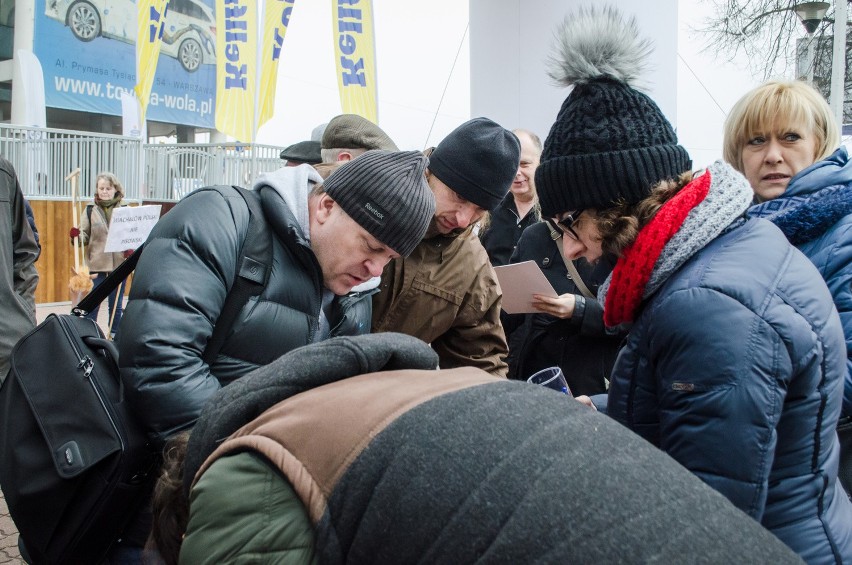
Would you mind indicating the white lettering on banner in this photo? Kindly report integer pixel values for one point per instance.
(111, 91)
(353, 71)
(130, 226)
(236, 27)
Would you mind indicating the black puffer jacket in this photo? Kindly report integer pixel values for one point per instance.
(500, 238)
(178, 292)
(580, 345)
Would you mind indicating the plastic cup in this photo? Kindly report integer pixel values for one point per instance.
(551, 377)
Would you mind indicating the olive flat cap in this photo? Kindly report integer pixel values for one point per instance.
(351, 131)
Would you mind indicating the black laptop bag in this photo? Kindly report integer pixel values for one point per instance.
(75, 464)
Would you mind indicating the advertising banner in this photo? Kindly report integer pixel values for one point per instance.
(276, 18)
(236, 71)
(151, 24)
(88, 53)
(355, 49)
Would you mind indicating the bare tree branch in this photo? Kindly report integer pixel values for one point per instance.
(774, 42)
(766, 31)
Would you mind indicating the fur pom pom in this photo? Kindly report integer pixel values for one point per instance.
(594, 43)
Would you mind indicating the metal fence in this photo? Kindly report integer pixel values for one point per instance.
(171, 171)
(44, 157)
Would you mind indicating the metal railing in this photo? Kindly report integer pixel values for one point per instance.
(43, 157)
(174, 170)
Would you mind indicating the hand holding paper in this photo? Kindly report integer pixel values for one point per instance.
(519, 281)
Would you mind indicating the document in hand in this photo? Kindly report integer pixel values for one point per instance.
(519, 281)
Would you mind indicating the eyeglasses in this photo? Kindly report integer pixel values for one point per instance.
(566, 224)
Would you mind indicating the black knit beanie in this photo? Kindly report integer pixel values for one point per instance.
(610, 142)
(478, 160)
(387, 194)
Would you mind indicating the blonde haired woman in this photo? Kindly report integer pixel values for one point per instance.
(783, 137)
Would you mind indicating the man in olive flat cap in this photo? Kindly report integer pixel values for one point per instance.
(348, 135)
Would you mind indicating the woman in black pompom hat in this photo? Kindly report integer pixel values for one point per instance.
(735, 360)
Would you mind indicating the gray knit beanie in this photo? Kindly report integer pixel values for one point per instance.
(387, 194)
(478, 161)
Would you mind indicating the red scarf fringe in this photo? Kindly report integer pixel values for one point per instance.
(634, 267)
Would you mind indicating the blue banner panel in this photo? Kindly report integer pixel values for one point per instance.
(87, 50)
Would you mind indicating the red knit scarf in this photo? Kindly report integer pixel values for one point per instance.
(634, 267)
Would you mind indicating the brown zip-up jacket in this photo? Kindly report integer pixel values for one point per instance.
(446, 293)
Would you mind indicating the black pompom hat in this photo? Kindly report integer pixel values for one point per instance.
(610, 142)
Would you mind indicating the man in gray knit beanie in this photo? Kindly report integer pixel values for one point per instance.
(325, 237)
(386, 193)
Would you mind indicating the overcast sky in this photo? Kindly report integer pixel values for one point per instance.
(416, 50)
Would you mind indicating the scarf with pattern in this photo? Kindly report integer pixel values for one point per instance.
(806, 217)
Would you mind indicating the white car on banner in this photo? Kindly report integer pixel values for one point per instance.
(189, 35)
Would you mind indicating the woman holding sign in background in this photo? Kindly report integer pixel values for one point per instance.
(94, 226)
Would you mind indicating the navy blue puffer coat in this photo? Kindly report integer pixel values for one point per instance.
(734, 368)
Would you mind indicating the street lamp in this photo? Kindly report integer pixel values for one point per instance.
(811, 14)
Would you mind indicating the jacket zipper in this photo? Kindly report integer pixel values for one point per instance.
(87, 365)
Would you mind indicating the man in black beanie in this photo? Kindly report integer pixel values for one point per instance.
(446, 292)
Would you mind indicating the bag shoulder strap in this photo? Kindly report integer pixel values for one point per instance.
(572, 270)
(253, 270)
(111, 282)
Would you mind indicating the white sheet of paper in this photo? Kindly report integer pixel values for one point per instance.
(130, 226)
(519, 281)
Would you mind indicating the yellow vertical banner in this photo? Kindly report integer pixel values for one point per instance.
(236, 68)
(276, 18)
(355, 57)
(150, 23)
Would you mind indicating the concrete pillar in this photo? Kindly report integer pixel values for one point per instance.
(24, 35)
(185, 134)
(217, 136)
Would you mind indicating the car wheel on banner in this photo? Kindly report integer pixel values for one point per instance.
(190, 55)
(84, 21)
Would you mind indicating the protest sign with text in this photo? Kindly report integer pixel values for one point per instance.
(130, 226)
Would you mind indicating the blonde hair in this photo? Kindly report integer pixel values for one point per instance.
(793, 102)
(113, 180)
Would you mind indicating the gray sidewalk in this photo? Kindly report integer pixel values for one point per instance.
(8, 537)
(8, 533)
